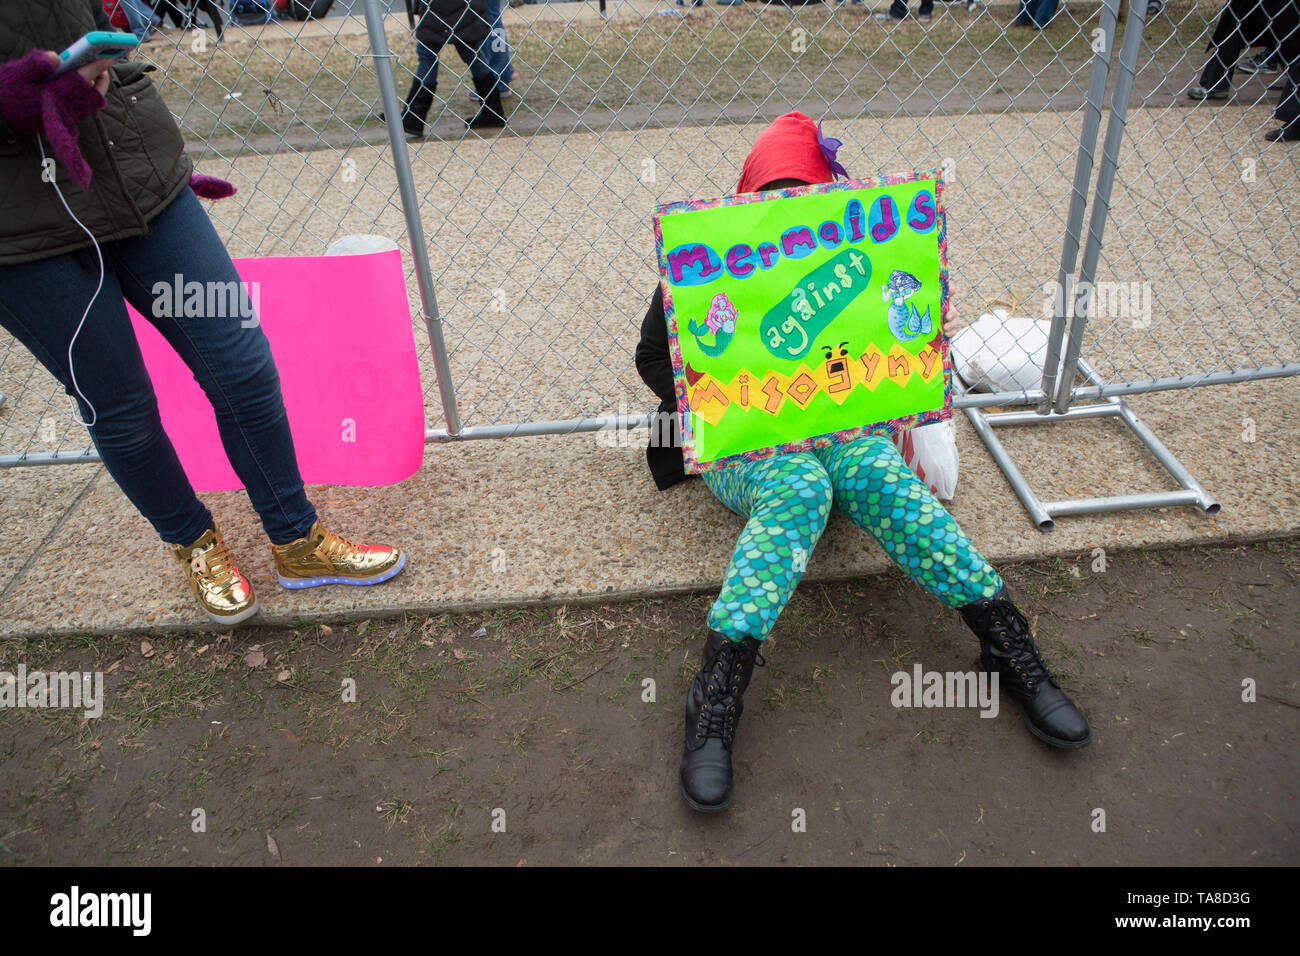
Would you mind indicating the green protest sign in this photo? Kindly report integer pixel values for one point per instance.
(805, 316)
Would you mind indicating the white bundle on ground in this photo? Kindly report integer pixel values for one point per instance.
(359, 245)
(1001, 353)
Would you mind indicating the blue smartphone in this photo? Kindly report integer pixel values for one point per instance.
(96, 45)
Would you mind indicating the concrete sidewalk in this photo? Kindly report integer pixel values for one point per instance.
(566, 518)
(533, 520)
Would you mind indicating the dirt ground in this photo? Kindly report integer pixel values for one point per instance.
(537, 720)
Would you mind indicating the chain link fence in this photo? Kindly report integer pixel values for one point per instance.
(530, 254)
(1195, 282)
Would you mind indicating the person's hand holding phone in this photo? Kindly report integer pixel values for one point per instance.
(95, 72)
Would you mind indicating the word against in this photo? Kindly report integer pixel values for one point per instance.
(946, 689)
(208, 300)
(102, 909)
(71, 689)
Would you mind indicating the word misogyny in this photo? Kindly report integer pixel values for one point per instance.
(833, 379)
(74, 908)
(697, 263)
(207, 300)
(71, 689)
(946, 689)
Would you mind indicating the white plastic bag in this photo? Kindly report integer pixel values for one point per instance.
(360, 245)
(931, 452)
(1001, 353)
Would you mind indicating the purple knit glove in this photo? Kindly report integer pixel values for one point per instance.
(31, 102)
(210, 187)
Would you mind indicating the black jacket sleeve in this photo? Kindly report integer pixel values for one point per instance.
(655, 366)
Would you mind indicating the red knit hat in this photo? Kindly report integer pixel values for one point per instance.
(788, 149)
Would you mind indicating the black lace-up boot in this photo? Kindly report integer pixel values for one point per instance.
(1007, 648)
(713, 708)
(416, 109)
(491, 114)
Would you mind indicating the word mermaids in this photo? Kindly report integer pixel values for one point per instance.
(697, 263)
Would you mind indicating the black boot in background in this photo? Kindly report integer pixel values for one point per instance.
(418, 100)
(713, 708)
(491, 115)
(1007, 647)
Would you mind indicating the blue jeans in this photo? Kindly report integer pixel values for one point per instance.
(140, 16)
(426, 69)
(1036, 13)
(41, 304)
(498, 48)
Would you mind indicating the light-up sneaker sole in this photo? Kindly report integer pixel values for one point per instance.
(328, 579)
(229, 620)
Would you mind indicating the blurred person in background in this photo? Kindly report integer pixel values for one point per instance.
(898, 10)
(1243, 24)
(139, 16)
(1035, 13)
(181, 13)
(465, 24)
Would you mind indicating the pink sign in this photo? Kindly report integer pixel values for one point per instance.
(340, 331)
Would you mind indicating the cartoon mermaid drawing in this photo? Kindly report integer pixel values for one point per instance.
(904, 321)
(720, 323)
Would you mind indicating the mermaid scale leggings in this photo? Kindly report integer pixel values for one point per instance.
(788, 500)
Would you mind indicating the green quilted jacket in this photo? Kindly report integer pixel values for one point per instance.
(134, 148)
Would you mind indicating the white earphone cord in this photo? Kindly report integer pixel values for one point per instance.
(89, 305)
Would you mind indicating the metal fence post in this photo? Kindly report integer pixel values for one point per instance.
(1063, 310)
(1101, 201)
(411, 209)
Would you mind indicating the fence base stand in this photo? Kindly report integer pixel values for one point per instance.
(1044, 513)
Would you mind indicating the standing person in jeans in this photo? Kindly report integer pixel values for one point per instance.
(122, 176)
(463, 23)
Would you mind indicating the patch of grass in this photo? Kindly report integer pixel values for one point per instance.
(395, 810)
(1140, 634)
(1246, 644)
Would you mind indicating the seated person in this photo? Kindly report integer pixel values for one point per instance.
(787, 500)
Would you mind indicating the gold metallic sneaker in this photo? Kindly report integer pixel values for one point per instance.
(223, 593)
(324, 557)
